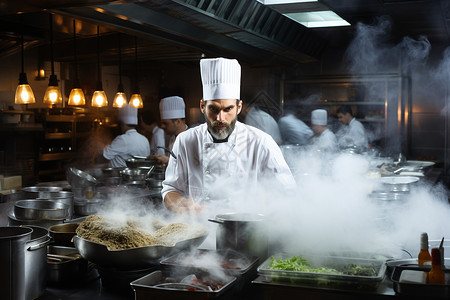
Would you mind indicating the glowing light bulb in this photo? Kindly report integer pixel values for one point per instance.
(24, 96)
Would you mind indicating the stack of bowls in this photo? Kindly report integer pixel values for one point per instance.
(39, 212)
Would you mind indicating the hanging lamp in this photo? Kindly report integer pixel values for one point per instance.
(136, 99)
(24, 93)
(53, 93)
(121, 98)
(76, 96)
(99, 97)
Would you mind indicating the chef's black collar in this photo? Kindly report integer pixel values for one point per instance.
(225, 140)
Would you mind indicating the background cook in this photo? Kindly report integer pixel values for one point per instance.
(223, 155)
(172, 110)
(130, 142)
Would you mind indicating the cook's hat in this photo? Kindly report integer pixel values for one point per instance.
(221, 78)
(172, 108)
(319, 117)
(128, 115)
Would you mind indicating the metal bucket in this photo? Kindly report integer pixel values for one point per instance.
(36, 262)
(12, 261)
(243, 232)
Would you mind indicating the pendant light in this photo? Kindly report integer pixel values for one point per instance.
(53, 93)
(99, 97)
(76, 96)
(24, 93)
(120, 99)
(136, 99)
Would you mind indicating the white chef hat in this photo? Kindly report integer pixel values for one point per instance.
(172, 108)
(319, 117)
(128, 115)
(221, 78)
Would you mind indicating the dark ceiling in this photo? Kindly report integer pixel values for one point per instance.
(183, 31)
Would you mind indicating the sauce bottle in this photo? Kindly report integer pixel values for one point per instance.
(436, 275)
(424, 254)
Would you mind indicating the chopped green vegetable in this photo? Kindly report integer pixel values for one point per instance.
(298, 263)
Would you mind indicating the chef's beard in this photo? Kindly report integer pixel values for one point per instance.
(220, 134)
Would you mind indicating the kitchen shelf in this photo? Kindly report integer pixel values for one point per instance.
(56, 156)
(58, 136)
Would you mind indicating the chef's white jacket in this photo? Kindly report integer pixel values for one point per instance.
(265, 122)
(294, 131)
(205, 170)
(124, 146)
(158, 139)
(352, 135)
(326, 141)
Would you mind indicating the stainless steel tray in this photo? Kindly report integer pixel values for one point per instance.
(142, 256)
(325, 279)
(148, 287)
(425, 291)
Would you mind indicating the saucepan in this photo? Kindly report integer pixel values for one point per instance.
(243, 232)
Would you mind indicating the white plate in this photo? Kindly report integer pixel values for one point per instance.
(419, 163)
(399, 179)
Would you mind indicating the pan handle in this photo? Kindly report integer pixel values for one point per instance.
(215, 221)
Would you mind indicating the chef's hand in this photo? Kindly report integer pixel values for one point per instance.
(179, 204)
(162, 159)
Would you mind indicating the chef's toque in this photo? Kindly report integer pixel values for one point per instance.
(221, 78)
(319, 117)
(128, 115)
(172, 108)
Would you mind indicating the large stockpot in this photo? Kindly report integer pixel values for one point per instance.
(36, 262)
(243, 232)
(12, 261)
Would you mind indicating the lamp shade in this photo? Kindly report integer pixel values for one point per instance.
(120, 99)
(24, 94)
(99, 99)
(136, 101)
(52, 95)
(76, 97)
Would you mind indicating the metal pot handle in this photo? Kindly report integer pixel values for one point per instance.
(215, 221)
(39, 246)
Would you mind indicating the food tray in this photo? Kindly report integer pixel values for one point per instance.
(426, 291)
(228, 262)
(325, 279)
(146, 288)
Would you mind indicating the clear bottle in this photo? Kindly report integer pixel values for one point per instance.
(424, 255)
(436, 275)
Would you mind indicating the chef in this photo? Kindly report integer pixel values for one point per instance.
(222, 155)
(324, 139)
(148, 127)
(293, 130)
(130, 142)
(172, 110)
(258, 118)
(351, 133)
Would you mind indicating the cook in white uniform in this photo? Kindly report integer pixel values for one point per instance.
(130, 143)
(222, 155)
(352, 132)
(324, 139)
(260, 119)
(148, 127)
(173, 122)
(293, 130)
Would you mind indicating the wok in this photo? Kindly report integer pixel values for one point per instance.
(149, 255)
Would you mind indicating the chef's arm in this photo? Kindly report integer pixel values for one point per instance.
(177, 203)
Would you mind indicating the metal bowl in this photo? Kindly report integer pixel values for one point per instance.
(112, 172)
(135, 174)
(86, 208)
(78, 178)
(14, 221)
(34, 209)
(136, 163)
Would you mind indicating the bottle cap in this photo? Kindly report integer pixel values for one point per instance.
(424, 241)
(435, 256)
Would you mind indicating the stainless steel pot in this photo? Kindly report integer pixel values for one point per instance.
(33, 192)
(36, 209)
(13, 221)
(242, 232)
(88, 207)
(62, 234)
(12, 261)
(36, 262)
(64, 197)
(112, 172)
